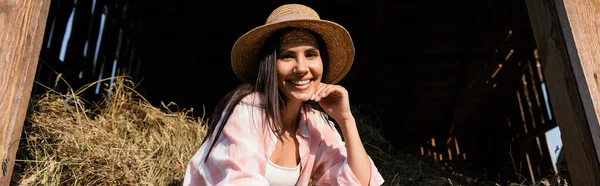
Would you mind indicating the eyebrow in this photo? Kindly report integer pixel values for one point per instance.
(309, 49)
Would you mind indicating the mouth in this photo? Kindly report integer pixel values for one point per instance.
(300, 84)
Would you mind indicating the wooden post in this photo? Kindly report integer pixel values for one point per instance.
(567, 34)
(22, 24)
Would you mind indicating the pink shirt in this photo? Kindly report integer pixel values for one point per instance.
(240, 154)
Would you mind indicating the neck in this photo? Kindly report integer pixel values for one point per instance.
(289, 115)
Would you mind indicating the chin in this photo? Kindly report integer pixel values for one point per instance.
(301, 97)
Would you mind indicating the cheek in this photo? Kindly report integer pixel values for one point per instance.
(281, 71)
(317, 69)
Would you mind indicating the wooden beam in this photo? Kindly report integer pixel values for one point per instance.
(567, 34)
(22, 24)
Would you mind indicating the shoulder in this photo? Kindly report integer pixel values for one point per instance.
(248, 109)
(255, 99)
(247, 117)
(249, 105)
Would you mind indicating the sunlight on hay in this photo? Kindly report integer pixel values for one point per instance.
(122, 140)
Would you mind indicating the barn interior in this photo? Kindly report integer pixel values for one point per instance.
(457, 81)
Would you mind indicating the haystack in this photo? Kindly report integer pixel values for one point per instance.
(122, 140)
(125, 140)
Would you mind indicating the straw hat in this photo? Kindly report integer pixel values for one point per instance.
(244, 55)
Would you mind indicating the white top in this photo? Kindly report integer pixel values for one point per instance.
(282, 176)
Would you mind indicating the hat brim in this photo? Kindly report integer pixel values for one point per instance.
(244, 54)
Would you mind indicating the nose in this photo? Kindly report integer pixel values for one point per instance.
(301, 65)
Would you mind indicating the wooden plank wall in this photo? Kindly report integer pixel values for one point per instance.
(85, 42)
(103, 36)
(531, 117)
(499, 63)
(21, 32)
(568, 36)
(500, 116)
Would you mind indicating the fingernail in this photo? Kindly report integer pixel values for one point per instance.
(323, 95)
(318, 98)
(312, 97)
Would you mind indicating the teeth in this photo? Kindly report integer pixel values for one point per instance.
(301, 82)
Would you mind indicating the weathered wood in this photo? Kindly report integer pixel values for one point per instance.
(568, 37)
(22, 24)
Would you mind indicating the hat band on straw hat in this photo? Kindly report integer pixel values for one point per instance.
(290, 17)
(297, 35)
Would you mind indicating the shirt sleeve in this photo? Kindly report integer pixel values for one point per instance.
(332, 166)
(236, 158)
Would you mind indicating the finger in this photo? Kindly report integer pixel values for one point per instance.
(322, 93)
(333, 90)
(319, 91)
(329, 90)
(314, 96)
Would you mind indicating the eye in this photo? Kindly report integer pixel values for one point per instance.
(286, 57)
(312, 55)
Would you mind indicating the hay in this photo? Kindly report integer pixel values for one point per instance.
(121, 141)
(400, 168)
(396, 167)
(124, 140)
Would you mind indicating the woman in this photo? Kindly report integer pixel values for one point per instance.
(265, 132)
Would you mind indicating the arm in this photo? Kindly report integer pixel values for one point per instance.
(333, 165)
(334, 100)
(358, 160)
(236, 158)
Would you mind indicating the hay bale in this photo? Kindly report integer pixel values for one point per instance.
(122, 140)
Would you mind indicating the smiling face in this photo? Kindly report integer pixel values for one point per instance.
(299, 69)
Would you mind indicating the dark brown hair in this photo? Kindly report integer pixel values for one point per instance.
(265, 83)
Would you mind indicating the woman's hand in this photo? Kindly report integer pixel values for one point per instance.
(334, 100)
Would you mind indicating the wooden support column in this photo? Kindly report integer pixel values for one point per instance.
(22, 24)
(567, 34)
